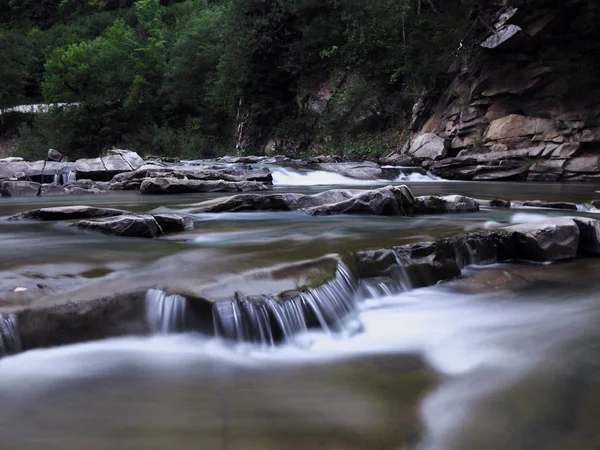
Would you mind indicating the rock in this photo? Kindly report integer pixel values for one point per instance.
(76, 190)
(554, 205)
(550, 240)
(388, 201)
(362, 171)
(516, 126)
(143, 225)
(499, 203)
(52, 190)
(11, 159)
(551, 169)
(448, 204)
(68, 213)
(567, 150)
(131, 158)
(506, 36)
(585, 164)
(428, 146)
(253, 202)
(173, 223)
(497, 174)
(118, 315)
(20, 189)
(181, 186)
(104, 169)
(54, 155)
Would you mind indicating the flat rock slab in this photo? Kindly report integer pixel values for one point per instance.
(553, 205)
(68, 213)
(362, 171)
(138, 225)
(182, 186)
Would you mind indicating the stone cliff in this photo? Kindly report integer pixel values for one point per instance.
(524, 105)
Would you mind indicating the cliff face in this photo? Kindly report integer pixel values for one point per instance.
(524, 106)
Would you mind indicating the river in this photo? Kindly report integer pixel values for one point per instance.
(505, 357)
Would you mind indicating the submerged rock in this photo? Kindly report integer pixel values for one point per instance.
(68, 213)
(138, 225)
(182, 186)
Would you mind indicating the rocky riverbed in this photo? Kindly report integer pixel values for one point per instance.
(408, 288)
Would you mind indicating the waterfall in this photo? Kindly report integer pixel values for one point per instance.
(268, 321)
(70, 176)
(10, 339)
(165, 313)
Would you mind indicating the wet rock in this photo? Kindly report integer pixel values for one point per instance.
(54, 155)
(142, 225)
(253, 202)
(499, 203)
(181, 186)
(554, 205)
(68, 213)
(388, 201)
(448, 204)
(118, 315)
(551, 240)
(589, 235)
(173, 223)
(20, 189)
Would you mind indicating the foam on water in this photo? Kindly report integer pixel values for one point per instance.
(289, 177)
(522, 217)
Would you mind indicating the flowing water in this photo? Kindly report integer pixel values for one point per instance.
(507, 356)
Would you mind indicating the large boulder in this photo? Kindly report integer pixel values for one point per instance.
(550, 240)
(182, 186)
(20, 189)
(428, 146)
(388, 201)
(68, 213)
(433, 204)
(54, 155)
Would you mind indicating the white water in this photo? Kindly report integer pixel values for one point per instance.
(289, 177)
(165, 313)
(284, 176)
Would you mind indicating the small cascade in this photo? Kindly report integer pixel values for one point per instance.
(66, 174)
(378, 288)
(268, 321)
(165, 313)
(10, 339)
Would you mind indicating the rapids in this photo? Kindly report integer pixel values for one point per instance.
(504, 357)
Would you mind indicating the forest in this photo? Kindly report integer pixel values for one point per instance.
(187, 78)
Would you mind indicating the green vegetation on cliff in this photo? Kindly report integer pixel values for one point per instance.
(199, 77)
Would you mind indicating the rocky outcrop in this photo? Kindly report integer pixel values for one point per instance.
(518, 111)
(67, 213)
(138, 225)
(184, 185)
(390, 200)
